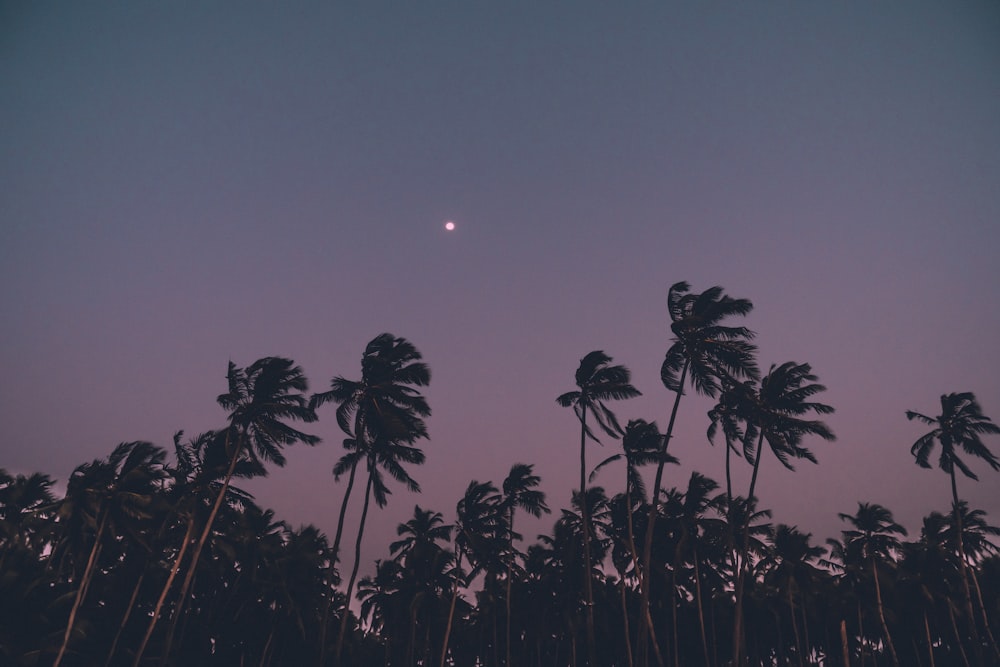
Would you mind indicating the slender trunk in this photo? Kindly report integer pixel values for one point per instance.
(647, 547)
(844, 650)
(125, 617)
(881, 617)
(199, 547)
(930, 644)
(982, 611)
(334, 556)
(958, 637)
(795, 625)
(628, 639)
(81, 592)
(451, 608)
(510, 572)
(805, 626)
(977, 645)
(701, 610)
(861, 636)
(585, 518)
(741, 570)
(357, 562)
(166, 589)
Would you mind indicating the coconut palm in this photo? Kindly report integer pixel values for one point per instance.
(960, 426)
(703, 353)
(874, 537)
(111, 493)
(480, 535)
(519, 491)
(597, 381)
(384, 405)
(261, 398)
(774, 414)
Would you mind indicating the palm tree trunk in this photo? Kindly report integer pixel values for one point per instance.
(966, 592)
(741, 570)
(958, 637)
(357, 562)
(334, 556)
(982, 611)
(844, 650)
(166, 589)
(81, 592)
(125, 617)
(627, 631)
(585, 518)
(701, 610)
(451, 608)
(795, 626)
(881, 617)
(510, 572)
(647, 547)
(927, 634)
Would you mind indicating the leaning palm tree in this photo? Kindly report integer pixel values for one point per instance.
(703, 352)
(775, 414)
(959, 426)
(597, 381)
(873, 535)
(383, 404)
(261, 399)
(113, 491)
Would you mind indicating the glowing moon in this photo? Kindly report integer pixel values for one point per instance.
(450, 226)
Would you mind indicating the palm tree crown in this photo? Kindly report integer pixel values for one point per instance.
(702, 346)
(960, 425)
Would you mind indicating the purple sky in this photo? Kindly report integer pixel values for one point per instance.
(189, 183)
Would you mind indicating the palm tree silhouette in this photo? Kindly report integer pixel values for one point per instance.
(110, 492)
(703, 352)
(597, 381)
(385, 407)
(480, 535)
(260, 399)
(519, 491)
(874, 537)
(959, 426)
(774, 414)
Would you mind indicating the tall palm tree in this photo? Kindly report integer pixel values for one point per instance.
(597, 381)
(774, 414)
(260, 400)
(703, 352)
(874, 536)
(519, 491)
(960, 425)
(383, 405)
(480, 535)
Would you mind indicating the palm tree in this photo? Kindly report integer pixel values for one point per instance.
(519, 492)
(113, 492)
(383, 405)
(959, 426)
(481, 535)
(597, 381)
(791, 570)
(261, 398)
(774, 414)
(703, 352)
(874, 536)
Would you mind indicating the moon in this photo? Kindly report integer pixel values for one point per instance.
(450, 226)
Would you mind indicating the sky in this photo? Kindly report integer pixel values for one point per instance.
(190, 183)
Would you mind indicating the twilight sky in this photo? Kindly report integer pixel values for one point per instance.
(189, 183)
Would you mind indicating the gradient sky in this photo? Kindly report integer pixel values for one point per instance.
(189, 183)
